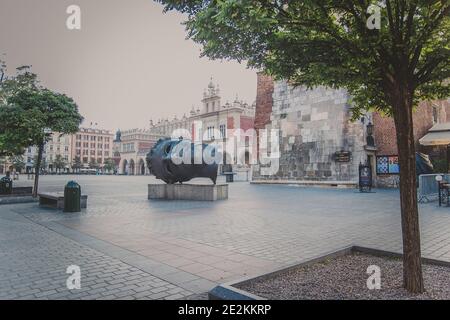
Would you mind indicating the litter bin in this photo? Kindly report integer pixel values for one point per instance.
(72, 197)
(6, 185)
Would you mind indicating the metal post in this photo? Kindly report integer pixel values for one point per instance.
(439, 192)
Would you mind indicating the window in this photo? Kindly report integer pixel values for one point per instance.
(99, 145)
(222, 130)
(210, 132)
(92, 138)
(106, 154)
(92, 145)
(78, 136)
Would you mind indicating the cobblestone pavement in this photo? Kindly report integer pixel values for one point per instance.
(181, 249)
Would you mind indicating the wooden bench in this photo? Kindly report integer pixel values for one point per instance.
(56, 200)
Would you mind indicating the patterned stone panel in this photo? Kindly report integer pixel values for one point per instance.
(314, 124)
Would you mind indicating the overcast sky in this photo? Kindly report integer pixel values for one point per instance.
(127, 64)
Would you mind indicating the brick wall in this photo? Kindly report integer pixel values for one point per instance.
(247, 123)
(230, 123)
(264, 91)
(384, 129)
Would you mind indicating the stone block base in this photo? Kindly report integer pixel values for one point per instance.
(56, 200)
(199, 192)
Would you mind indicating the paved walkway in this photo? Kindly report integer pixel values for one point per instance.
(130, 247)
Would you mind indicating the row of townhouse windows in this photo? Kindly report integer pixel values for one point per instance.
(87, 160)
(58, 148)
(92, 145)
(92, 153)
(85, 137)
(222, 131)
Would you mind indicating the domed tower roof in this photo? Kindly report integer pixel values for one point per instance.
(211, 84)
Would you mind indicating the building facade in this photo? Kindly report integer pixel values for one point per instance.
(319, 141)
(426, 116)
(131, 148)
(216, 122)
(91, 146)
(57, 149)
(314, 130)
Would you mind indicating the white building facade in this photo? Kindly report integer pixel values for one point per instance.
(216, 122)
(131, 148)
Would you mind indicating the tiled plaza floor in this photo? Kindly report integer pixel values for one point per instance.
(129, 247)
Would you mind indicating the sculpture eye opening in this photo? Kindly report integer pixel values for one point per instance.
(167, 149)
(169, 170)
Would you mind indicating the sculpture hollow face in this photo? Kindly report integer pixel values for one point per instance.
(165, 161)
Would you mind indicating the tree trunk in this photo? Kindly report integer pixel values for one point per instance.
(37, 169)
(412, 267)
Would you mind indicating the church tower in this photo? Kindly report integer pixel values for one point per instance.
(211, 98)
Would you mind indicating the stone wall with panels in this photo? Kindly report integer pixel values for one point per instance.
(314, 124)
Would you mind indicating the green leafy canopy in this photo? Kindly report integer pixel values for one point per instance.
(29, 112)
(327, 42)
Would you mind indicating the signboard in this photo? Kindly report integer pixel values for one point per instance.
(342, 156)
(387, 165)
(365, 178)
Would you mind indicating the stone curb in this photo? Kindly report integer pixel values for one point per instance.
(16, 200)
(227, 291)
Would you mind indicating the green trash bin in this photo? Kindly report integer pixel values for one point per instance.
(72, 197)
(6, 185)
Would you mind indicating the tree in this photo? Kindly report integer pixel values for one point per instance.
(76, 164)
(109, 165)
(93, 164)
(30, 113)
(18, 163)
(13, 142)
(2, 163)
(42, 165)
(59, 163)
(337, 43)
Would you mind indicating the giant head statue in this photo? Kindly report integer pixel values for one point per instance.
(181, 160)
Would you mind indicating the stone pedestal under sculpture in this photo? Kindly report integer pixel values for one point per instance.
(199, 192)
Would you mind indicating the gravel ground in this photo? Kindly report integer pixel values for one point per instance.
(346, 278)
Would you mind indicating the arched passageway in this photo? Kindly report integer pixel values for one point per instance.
(124, 167)
(131, 168)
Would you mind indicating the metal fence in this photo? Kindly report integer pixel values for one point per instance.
(428, 186)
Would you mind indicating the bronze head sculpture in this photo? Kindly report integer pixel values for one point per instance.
(164, 162)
